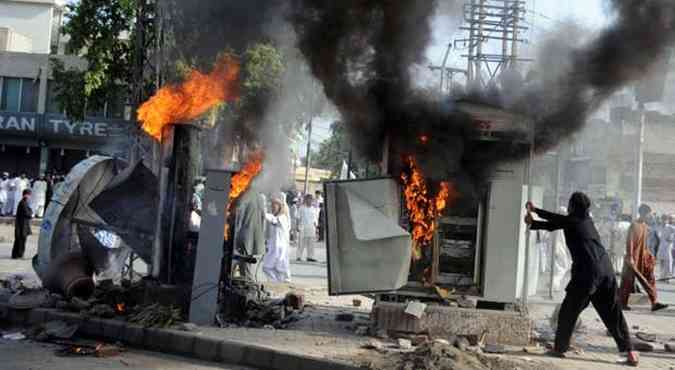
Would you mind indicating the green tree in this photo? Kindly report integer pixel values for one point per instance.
(101, 31)
(336, 149)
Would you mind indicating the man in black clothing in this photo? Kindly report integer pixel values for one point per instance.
(22, 225)
(593, 279)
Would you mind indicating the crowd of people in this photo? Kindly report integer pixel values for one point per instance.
(42, 189)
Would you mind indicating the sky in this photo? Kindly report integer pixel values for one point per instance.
(542, 16)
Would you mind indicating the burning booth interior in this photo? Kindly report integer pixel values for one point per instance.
(470, 239)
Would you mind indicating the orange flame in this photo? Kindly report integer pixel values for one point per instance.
(242, 179)
(192, 98)
(120, 307)
(423, 209)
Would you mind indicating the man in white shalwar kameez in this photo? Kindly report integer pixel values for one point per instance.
(12, 201)
(4, 189)
(39, 196)
(276, 264)
(20, 184)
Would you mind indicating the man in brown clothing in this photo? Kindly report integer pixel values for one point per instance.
(639, 260)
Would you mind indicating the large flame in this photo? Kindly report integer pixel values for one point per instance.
(423, 208)
(242, 179)
(192, 98)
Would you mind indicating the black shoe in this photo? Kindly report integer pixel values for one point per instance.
(658, 306)
(311, 260)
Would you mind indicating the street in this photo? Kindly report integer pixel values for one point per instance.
(24, 355)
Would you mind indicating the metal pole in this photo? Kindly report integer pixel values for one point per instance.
(526, 283)
(555, 234)
(639, 162)
(308, 158)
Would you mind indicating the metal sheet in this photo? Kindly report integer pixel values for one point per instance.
(57, 233)
(208, 266)
(367, 250)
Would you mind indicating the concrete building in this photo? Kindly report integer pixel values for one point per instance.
(35, 137)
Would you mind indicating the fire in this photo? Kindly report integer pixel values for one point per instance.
(120, 308)
(242, 180)
(192, 98)
(423, 208)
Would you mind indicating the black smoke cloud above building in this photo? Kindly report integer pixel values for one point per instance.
(363, 50)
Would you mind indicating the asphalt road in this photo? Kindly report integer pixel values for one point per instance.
(25, 355)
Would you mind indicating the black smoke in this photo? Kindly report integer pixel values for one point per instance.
(363, 50)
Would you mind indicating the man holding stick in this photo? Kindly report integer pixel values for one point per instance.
(639, 262)
(593, 279)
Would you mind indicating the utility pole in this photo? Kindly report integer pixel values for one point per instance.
(639, 162)
(488, 23)
(308, 158)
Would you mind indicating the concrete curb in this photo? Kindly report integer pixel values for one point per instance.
(176, 342)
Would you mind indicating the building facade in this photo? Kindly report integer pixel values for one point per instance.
(35, 136)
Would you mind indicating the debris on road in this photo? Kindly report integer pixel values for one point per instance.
(415, 309)
(14, 336)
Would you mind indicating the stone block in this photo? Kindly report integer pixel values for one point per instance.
(258, 357)
(113, 330)
(232, 352)
(90, 327)
(182, 343)
(133, 335)
(157, 339)
(509, 328)
(207, 349)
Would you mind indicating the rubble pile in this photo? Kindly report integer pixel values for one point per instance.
(249, 305)
(457, 353)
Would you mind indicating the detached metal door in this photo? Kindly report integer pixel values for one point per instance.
(368, 251)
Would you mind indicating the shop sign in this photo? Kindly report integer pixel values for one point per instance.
(23, 124)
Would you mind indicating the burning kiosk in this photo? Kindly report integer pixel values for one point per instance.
(475, 244)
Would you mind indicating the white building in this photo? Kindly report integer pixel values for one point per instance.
(31, 26)
(34, 137)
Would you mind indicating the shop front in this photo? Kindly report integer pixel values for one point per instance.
(36, 144)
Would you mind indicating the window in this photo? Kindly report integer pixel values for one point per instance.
(11, 94)
(30, 90)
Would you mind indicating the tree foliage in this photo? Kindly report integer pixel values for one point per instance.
(99, 31)
(334, 151)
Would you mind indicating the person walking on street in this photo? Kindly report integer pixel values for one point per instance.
(308, 220)
(665, 253)
(639, 260)
(39, 197)
(21, 183)
(4, 189)
(276, 263)
(10, 205)
(49, 193)
(593, 280)
(22, 225)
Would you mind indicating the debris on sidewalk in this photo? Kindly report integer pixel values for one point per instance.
(156, 316)
(14, 336)
(84, 350)
(415, 309)
(647, 337)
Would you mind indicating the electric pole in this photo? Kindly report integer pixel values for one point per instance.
(308, 158)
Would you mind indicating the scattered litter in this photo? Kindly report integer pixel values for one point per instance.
(296, 301)
(467, 302)
(59, 329)
(14, 336)
(374, 344)
(361, 330)
(356, 302)
(187, 326)
(642, 346)
(462, 343)
(83, 350)
(404, 344)
(494, 348)
(415, 309)
(157, 316)
(646, 337)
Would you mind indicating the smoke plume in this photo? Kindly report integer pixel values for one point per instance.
(363, 51)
